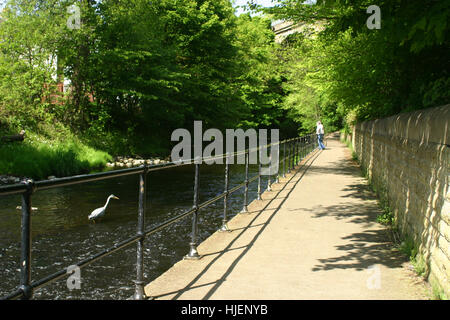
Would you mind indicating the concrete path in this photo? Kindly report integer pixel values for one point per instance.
(314, 236)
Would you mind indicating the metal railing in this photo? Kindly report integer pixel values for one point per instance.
(294, 150)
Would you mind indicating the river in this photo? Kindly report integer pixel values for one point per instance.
(62, 234)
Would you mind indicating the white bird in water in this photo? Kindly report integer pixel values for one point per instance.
(97, 213)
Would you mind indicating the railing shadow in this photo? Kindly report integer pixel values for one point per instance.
(288, 187)
(296, 147)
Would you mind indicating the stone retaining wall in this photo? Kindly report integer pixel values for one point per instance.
(407, 158)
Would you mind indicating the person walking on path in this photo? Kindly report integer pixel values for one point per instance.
(320, 132)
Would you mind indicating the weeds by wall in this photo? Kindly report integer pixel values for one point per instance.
(406, 159)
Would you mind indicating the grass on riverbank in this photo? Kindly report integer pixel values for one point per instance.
(40, 156)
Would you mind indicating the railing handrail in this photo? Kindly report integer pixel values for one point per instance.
(28, 188)
(19, 188)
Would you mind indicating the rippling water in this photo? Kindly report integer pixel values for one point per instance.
(62, 234)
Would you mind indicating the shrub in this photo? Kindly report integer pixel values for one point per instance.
(40, 159)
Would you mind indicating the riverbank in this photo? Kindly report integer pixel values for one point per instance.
(54, 151)
(48, 152)
(39, 159)
(130, 162)
(117, 163)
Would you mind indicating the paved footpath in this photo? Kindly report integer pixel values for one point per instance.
(315, 236)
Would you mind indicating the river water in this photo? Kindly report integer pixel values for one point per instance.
(62, 234)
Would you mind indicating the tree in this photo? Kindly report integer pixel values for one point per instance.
(377, 73)
(29, 33)
(259, 82)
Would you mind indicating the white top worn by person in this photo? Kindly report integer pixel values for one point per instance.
(319, 129)
(320, 133)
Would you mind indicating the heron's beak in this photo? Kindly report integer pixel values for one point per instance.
(116, 198)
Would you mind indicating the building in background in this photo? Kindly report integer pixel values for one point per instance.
(283, 29)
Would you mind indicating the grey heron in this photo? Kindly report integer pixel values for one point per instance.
(97, 213)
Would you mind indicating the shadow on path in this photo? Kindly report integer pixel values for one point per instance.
(289, 187)
(361, 244)
(367, 248)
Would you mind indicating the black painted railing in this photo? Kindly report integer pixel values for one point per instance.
(294, 150)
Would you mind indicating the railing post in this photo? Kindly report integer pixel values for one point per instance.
(298, 152)
(224, 227)
(303, 147)
(292, 154)
(259, 173)
(308, 143)
(193, 253)
(25, 256)
(284, 159)
(289, 157)
(139, 293)
(295, 153)
(245, 209)
(278, 165)
(305, 143)
(269, 177)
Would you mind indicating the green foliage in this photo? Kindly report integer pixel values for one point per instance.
(138, 70)
(409, 248)
(374, 73)
(155, 67)
(385, 218)
(306, 99)
(259, 83)
(349, 145)
(39, 159)
(28, 51)
(438, 291)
